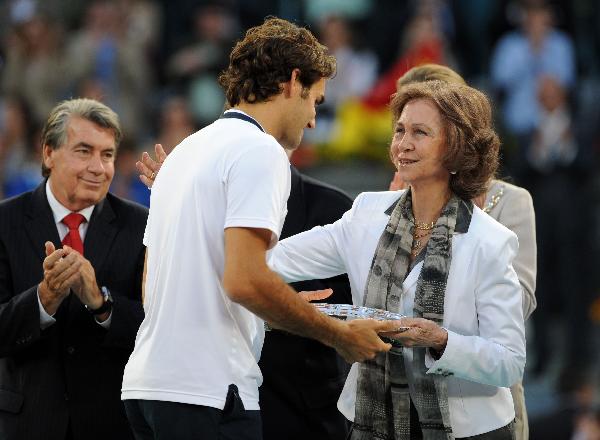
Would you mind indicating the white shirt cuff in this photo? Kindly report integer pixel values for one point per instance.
(46, 320)
(104, 324)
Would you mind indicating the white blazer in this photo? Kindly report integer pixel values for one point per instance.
(485, 353)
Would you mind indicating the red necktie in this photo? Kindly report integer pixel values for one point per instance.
(73, 239)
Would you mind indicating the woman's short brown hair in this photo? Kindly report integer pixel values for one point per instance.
(266, 57)
(472, 145)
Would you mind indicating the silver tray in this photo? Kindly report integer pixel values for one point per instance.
(348, 311)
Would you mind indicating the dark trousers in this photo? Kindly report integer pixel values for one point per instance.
(159, 420)
(505, 433)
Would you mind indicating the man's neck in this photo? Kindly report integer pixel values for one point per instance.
(266, 114)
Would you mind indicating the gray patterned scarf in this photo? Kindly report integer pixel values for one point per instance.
(384, 392)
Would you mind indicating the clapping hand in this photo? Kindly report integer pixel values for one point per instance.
(149, 167)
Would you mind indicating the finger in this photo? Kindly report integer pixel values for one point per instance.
(60, 279)
(59, 266)
(151, 164)
(49, 248)
(161, 155)
(52, 259)
(143, 169)
(66, 284)
(390, 326)
(146, 181)
(316, 295)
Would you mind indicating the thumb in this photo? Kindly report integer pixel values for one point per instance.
(391, 326)
(49, 247)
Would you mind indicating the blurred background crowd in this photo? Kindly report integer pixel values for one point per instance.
(155, 62)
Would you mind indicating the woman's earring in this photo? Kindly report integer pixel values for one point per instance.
(452, 172)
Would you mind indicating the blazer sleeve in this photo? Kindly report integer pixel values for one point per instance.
(127, 312)
(314, 254)
(496, 354)
(518, 215)
(19, 314)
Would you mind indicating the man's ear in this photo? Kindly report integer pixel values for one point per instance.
(47, 152)
(293, 86)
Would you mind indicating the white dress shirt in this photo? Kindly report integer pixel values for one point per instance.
(485, 352)
(59, 212)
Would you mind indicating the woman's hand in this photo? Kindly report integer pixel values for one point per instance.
(149, 167)
(421, 333)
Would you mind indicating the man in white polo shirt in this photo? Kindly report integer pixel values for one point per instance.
(216, 208)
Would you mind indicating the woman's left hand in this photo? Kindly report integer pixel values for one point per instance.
(422, 333)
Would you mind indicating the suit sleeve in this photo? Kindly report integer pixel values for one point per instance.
(19, 314)
(518, 216)
(128, 312)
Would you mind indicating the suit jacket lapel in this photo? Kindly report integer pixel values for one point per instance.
(39, 224)
(100, 234)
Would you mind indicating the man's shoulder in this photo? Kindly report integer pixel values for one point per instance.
(126, 208)
(16, 206)
(325, 191)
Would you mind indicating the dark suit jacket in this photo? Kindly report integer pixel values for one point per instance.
(302, 378)
(72, 371)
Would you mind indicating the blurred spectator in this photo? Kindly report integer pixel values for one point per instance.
(474, 23)
(20, 156)
(363, 127)
(356, 73)
(143, 27)
(577, 416)
(521, 57)
(126, 183)
(176, 123)
(103, 53)
(356, 9)
(195, 67)
(34, 66)
(558, 187)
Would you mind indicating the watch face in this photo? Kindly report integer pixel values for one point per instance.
(106, 294)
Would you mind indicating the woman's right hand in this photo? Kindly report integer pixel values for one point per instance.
(149, 167)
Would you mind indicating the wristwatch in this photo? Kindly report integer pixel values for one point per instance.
(106, 306)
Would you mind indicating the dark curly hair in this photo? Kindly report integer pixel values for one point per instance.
(472, 145)
(266, 57)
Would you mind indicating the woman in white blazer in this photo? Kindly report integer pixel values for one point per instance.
(433, 256)
(511, 206)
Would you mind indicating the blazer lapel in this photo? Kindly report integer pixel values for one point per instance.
(412, 277)
(100, 234)
(39, 224)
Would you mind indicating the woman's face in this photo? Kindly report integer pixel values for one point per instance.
(418, 145)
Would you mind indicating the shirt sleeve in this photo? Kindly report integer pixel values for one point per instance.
(257, 188)
(46, 320)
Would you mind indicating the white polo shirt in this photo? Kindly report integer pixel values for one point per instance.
(194, 341)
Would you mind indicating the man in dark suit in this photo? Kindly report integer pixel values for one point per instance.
(302, 378)
(71, 263)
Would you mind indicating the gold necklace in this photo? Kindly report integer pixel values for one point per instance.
(424, 226)
(417, 243)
